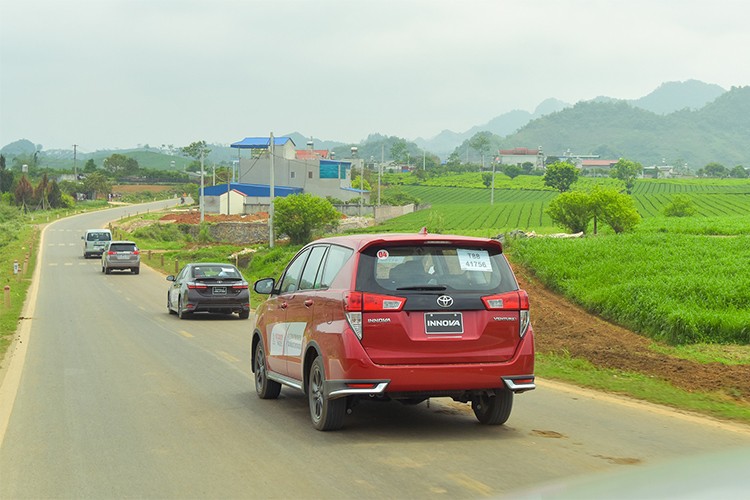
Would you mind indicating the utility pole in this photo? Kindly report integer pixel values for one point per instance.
(203, 153)
(273, 193)
(75, 169)
(380, 168)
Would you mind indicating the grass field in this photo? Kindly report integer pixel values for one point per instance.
(683, 280)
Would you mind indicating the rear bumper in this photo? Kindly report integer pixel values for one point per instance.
(360, 376)
(122, 265)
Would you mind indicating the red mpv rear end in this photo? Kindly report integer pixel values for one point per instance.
(405, 317)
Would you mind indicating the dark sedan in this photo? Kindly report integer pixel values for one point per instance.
(208, 287)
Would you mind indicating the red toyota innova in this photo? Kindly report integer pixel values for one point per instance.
(395, 316)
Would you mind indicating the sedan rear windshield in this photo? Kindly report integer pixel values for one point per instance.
(441, 267)
(122, 247)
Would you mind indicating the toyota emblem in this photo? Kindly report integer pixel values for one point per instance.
(445, 301)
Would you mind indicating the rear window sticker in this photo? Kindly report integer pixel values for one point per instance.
(474, 260)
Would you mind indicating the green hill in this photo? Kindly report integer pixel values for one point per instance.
(717, 132)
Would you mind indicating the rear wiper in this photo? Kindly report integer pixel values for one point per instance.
(436, 288)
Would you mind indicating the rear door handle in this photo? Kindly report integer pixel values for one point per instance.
(308, 303)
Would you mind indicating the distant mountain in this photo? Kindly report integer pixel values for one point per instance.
(717, 132)
(446, 141)
(675, 96)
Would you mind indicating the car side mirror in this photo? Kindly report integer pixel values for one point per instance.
(170, 277)
(264, 286)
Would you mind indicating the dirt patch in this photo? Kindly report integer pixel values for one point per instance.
(137, 188)
(194, 217)
(560, 327)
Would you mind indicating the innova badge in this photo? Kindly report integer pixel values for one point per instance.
(445, 301)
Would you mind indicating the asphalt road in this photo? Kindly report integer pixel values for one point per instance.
(117, 398)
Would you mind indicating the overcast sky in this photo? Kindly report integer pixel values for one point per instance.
(118, 73)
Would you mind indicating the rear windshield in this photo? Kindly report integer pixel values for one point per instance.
(227, 271)
(98, 237)
(122, 247)
(444, 267)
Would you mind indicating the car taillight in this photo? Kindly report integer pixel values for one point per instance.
(137, 252)
(511, 301)
(372, 302)
(110, 252)
(240, 287)
(355, 303)
(194, 286)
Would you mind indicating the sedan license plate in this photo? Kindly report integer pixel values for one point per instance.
(219, 290)
(443, 323)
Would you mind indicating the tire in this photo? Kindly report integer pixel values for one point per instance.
(181, 313)
(107, 270)
(169, 306)
(244, 314)
(493, 410)
(326, 414)
(136, 270)
(266, 388)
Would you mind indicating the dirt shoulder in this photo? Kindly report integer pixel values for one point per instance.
(560, 326)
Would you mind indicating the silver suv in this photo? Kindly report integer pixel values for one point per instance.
(122, 255)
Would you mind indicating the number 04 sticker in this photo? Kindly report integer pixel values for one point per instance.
(474, 260)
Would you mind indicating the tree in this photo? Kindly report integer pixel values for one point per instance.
(120, 165)
(55, 195)
(6, 177)
(487, 179)
(626, 171)
(738, 172)
(24, 192)
(480, 142)
(41, 191)
(617, 210)
(399, 151)
(196, 150)
(97, 183)
(357, 183)
(714, 169)
(298, 215)
(574, 210)
(89, 167)
(571, 210)
(514, 171)
(560, 175)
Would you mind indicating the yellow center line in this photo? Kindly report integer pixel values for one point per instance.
(227, 356)
(186, 334)
(471, 484)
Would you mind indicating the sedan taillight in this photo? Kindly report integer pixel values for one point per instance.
(193, 286)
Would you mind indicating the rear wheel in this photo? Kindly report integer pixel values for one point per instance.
(493, 409)
(244, 314)
(136, 270)
(326, 414)
(107, 270)
(266, 389)
(181, 313)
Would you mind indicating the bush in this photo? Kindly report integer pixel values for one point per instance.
(680, 206)
(615, 209)
(571, 210)
(298, 215)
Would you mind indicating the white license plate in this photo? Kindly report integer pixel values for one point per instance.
(443, 323)
(219, 290)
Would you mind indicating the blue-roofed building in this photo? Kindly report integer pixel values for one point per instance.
(311, 174)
